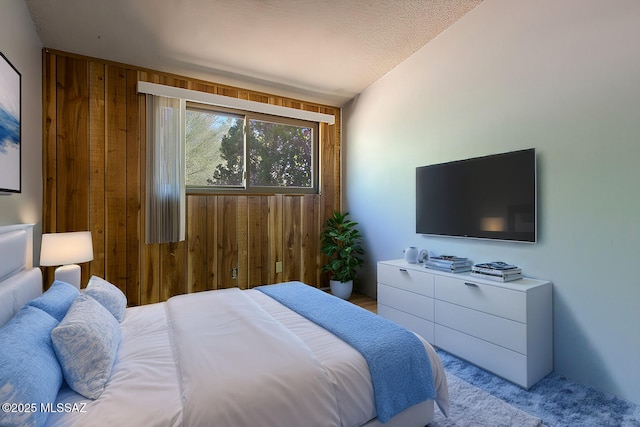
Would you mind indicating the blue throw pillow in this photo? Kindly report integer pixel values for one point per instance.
(107, 294)
(86, 343)
(57, 299)
(29, 370)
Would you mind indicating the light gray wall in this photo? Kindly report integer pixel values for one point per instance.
(560, 76)
(21, 45)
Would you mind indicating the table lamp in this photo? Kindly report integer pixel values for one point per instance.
(65, 250)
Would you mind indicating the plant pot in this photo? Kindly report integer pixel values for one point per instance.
(341, 289)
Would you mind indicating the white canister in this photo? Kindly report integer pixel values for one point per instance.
(411, 255)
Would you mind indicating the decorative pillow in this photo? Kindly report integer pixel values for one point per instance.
(86, 342)
(57, 299)
(108, 295)
(29, 370)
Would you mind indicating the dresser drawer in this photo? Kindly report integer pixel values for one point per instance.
(499, 360)
(503, 302)
(497, 330)
(420, 326)
(409, 302)
(506, 328)
(419, 282)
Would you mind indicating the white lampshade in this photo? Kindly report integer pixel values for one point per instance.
(66, 248)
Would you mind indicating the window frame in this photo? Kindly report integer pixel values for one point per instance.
(245, 187)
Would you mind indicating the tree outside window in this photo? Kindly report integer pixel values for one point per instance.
(227, 150)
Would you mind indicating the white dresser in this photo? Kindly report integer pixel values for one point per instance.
(505, 328)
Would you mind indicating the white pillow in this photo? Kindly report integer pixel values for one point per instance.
(108, 295)
(86, 343)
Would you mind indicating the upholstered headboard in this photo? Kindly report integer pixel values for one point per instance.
(19, 281)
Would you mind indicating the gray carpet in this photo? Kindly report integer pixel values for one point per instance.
(557, 401)
(473, 407)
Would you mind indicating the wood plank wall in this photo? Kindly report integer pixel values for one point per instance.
(94, 179)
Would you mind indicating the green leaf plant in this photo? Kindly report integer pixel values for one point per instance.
(340, 240)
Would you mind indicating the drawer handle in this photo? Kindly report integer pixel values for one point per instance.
(404, 270)
(473, 285)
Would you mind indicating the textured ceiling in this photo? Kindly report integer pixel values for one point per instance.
(325, 51)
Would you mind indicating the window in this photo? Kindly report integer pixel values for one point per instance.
(242, 151)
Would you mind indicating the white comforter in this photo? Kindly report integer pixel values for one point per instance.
(236, 357)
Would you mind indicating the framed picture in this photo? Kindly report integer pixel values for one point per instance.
(10, 127)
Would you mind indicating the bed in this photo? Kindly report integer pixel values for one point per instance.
(226, 358)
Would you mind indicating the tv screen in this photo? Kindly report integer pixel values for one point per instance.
(491, 197)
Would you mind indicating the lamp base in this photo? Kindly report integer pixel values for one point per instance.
(69, 273)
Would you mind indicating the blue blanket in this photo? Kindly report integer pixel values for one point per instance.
(398, 362)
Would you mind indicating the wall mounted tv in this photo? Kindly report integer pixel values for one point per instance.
(491, 197)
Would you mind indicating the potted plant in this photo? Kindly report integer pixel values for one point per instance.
(341, 241)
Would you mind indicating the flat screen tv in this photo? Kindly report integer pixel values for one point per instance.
(491, 197)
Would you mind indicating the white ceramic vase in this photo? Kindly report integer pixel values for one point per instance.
(341, 289)
(411, 255)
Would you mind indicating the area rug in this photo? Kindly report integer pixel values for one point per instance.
(557, 401)
(470, 406)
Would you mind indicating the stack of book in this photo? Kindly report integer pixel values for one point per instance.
(497, 270)
(450, 263)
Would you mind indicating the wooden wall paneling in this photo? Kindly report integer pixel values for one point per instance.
(329, 185)
(226, 91)
(72, 146)
(134, 184)
(173, 81)
(274, 100)
(275, 243)
(254, 247)
(49, 141)
(250, 233)
(49, 151)
(82, 155)
(242, 242)
(212, 242)
(308, 240)
(292, 103)
(227, 241)
(330, 170)
(316, 254)
(72, 149)
(150, 274)
(258, 97)
(265, 241)
(334, 141)
(116, 178)
(291, 230)
(97, 166)
(197, 254)
(148, 76)
(258, 238)
(242, 94)
(199, 86)
(322, 278)
(173, 273)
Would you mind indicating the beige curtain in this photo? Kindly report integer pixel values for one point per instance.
(165, 195)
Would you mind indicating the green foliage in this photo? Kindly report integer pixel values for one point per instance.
(204, 133)
(279, 155)
(231, 170)
(341, 240)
